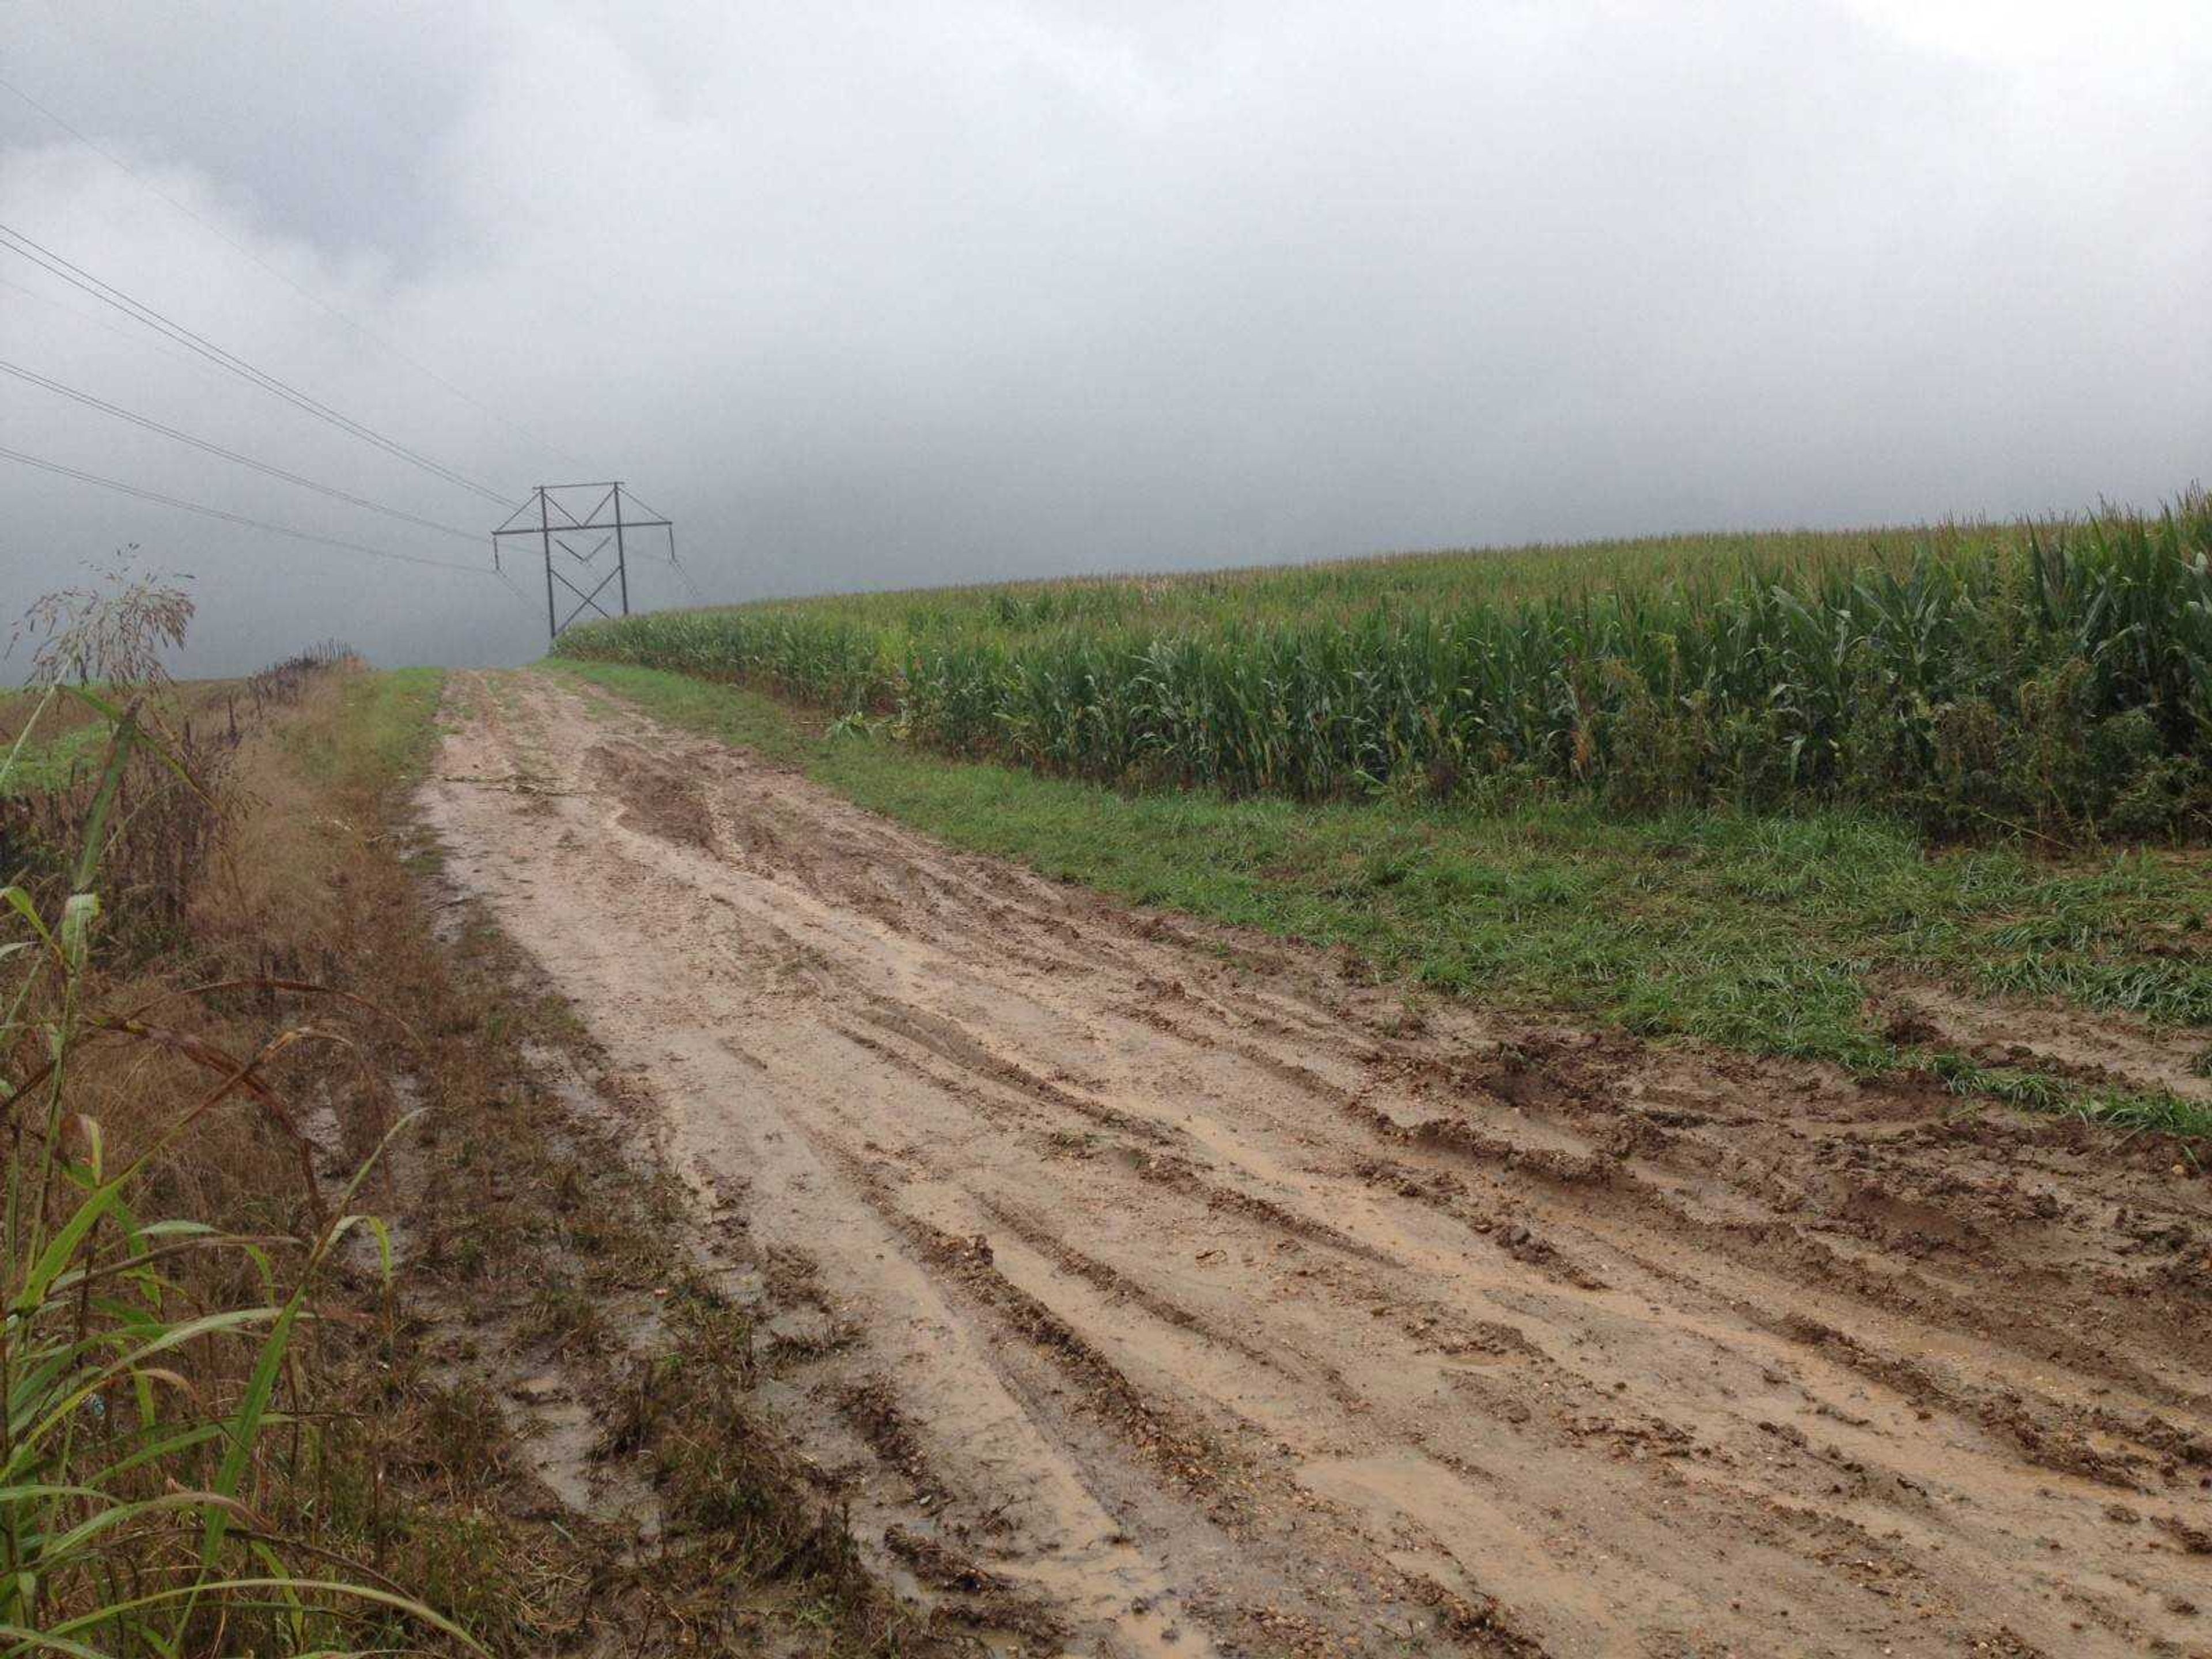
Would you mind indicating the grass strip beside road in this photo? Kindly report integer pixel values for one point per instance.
(1772, 934)
(380, 735)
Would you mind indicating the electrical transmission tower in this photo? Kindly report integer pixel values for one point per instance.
(558, 529)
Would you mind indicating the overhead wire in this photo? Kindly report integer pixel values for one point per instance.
(304, 292)
(177, 357)
(206, 511)
(132, 336)
(148, 317)
(46, 258)
(122, 413)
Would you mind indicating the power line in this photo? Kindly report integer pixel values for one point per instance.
(46, 259)
(55, 264)
(306, 294)
(122, 413)
(507, 582)
(236, 518)
(129, 335)
(216, 230)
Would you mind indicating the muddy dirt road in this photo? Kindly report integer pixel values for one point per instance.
(1154, 1290)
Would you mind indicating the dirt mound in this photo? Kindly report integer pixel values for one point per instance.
(656, 797)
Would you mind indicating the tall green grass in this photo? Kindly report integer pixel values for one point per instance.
(2052, 677)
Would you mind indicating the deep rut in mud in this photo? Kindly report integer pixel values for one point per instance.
(1154, 1290)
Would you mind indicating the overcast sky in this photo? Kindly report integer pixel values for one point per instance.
(867, 295)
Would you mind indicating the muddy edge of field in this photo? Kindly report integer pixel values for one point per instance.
(1147, 1288)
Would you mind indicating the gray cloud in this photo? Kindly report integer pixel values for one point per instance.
(870, 296)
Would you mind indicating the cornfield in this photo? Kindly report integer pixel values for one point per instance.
(2052, 677)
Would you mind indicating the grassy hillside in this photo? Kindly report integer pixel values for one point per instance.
(2054, 679)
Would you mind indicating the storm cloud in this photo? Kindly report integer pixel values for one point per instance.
(868, 295)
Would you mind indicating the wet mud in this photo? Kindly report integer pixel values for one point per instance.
(1153, 1289)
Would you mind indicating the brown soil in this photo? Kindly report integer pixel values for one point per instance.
(1158, 1283)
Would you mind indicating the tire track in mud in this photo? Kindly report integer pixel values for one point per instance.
(1183, 1298)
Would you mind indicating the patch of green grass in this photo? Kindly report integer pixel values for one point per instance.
(378, 734)
(2040, 1091)
(1761, 932)
(42, 766)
